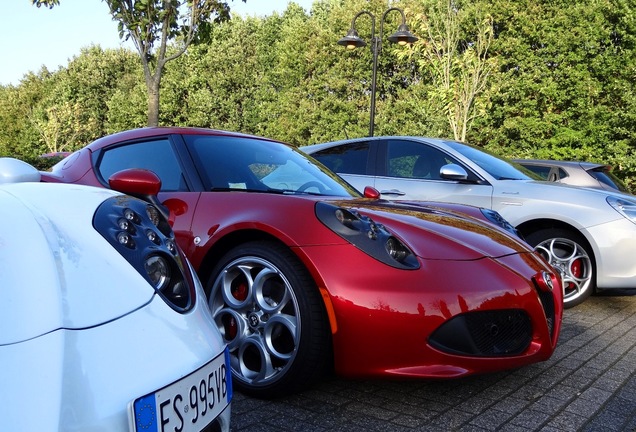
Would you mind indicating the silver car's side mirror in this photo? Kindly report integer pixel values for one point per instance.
(453, 172)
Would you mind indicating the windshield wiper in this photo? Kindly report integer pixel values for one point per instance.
(292, 192)
(228, 189)
(268, 190)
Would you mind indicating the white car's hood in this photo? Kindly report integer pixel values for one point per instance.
(521, 200)
(56, 281)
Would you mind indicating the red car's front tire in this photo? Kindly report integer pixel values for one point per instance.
(271, 315)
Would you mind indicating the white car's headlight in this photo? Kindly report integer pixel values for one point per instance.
(140, 234)
(625, 207)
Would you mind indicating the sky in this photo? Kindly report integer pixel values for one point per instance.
(31, 37)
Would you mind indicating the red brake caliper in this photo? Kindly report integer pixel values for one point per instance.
(239, 292)
(230, 327)
(576, 268)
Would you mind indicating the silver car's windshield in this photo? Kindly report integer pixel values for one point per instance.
(494, 165)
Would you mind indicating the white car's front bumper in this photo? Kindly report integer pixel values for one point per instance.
(615, 253)
(83, 380)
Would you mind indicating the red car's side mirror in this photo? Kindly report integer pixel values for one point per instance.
(135, 181)
(371, 192)
(140, 183)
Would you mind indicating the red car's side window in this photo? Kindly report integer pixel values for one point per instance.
(157, 155)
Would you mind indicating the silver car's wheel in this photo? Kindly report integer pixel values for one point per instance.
(270, 315)
(568, 253)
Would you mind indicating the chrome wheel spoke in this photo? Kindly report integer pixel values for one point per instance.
(271, 291)
(255, 308)
(236, 286)
(253, 360)
(281, 336)
(572, 262)
(232, 325)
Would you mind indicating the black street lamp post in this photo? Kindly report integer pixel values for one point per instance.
(402, 37)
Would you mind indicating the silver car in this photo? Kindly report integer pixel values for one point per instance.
(587, 174)
(587, 234)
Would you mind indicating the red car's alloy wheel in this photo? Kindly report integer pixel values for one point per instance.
(271, 318)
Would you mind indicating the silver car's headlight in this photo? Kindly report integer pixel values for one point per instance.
(625, 207)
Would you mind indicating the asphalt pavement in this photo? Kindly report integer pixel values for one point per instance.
(589, 384)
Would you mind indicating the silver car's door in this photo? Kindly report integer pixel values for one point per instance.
(435, 190)
(414, 170)
(358, 181)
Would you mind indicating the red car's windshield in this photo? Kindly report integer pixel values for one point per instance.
(243, 163)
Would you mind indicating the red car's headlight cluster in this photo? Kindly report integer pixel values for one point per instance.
(142, 236)
(545, 283)
(370, 237)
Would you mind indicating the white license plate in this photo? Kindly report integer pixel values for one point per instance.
(189, 404)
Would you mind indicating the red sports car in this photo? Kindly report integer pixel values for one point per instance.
(303, 274)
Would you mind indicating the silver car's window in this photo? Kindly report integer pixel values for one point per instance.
(345, 159)
(540, 170)
(410, 159)
(562, 174)
(493, 165)
(606, 177)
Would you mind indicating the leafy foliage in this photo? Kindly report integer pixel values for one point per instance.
(550, 78)
(151, 25)
(454, 55)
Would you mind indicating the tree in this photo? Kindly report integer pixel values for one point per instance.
(84, 91)
(456, 60)
(565, 82)
(215, 83)
(18, 136)
(152, 25)
(59, 126)
(561, 86)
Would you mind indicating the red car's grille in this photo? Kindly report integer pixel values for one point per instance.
(547, 302)
(497, 333)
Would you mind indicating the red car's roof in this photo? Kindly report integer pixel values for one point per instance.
(147, 132)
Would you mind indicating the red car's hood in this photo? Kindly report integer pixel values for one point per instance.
(431, 232)
(434, 233)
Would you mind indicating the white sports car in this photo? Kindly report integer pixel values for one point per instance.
(104, 325)
(587, 234)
